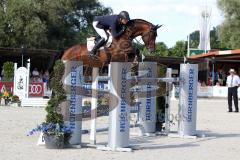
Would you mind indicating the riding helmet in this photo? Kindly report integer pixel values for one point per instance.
(124, 15)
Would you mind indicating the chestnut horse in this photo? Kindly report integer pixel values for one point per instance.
(121, 48)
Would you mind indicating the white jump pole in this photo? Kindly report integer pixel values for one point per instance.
(147, 111)
(173, 92)
(167, 101)
(27, 83)
(95, 74)
(188, 100)
(119, 114)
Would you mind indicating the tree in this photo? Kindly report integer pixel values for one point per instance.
(161, 49)
(8, 71)
(179, 50)
(214, 39)
(20, 25)
(194, 39)
(229, 29)
(46, 23)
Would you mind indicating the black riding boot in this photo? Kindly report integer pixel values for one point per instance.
(97, 46)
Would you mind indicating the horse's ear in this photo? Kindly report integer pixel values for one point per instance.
(157, 26)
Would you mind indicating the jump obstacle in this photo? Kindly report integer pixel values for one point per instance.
(119, 79)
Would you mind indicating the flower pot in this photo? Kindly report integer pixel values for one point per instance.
(54, 141)
(7, 100)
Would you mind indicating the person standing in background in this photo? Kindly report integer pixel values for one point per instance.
(35, 72)
(46, 76)
(233, 82)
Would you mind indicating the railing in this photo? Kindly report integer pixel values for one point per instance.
(210, 91)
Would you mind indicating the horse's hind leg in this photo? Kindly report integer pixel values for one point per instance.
(101, 70)
(126, 57)
(85, 72)
(88, 69)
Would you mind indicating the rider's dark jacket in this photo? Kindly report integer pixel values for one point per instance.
(110, 22)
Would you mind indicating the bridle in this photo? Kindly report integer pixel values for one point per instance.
(152, 30)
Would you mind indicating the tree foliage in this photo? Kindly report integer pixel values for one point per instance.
(59, 94)
(179, 50)
(229, 29)
(214, 39)
(161, 49)
(194, 39)
(8, 71)
(52, 24)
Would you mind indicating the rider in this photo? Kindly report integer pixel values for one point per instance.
(115, 23)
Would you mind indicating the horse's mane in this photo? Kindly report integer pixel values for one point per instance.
(133, 21)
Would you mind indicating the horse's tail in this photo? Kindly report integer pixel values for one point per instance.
(60, 54)
(56, 57)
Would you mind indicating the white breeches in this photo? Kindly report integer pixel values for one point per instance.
(101, 32)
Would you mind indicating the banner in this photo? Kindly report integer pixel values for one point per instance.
(36, 90)
(6, 86)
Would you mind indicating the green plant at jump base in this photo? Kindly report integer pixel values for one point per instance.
(53, 128)
(58, 96)
(15, 99)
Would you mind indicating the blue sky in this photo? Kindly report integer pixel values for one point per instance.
(179, 17)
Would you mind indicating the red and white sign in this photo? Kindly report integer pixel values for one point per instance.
(36, 90)
(6, 85)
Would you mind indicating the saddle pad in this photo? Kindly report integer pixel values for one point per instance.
(91, 43)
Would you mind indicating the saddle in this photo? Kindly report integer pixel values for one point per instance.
(91, 41)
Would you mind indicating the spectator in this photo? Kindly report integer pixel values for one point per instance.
(46, 76)
(32, 79)
(39, 79)
(222, 77)
(41, 75)
(218, 83)
(233, 82)
(209, 83)
(216, 77)
(35, 72)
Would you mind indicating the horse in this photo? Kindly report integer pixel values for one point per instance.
(121, 48)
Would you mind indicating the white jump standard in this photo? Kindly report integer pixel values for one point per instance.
(187, 101)
(72, 82)
(147, 100)
(119, 109)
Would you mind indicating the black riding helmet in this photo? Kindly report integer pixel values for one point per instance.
(124, 15)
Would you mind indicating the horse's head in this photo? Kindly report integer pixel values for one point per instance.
(149, 37)
(146, 30)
